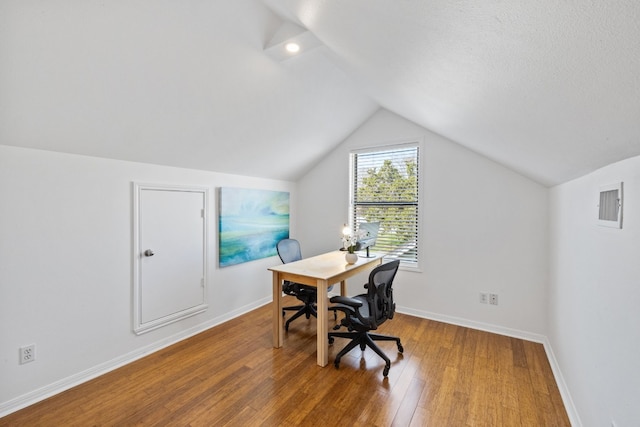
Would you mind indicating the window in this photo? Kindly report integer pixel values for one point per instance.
(384, 188)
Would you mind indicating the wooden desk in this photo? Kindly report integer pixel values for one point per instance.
(320, 271)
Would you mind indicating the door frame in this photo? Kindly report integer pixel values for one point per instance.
(138, 326)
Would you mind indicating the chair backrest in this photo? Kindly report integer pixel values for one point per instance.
(380, 295)
(289, 250)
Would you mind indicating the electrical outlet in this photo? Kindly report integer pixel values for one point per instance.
(493, 299)
(27, 354)
(484, 298)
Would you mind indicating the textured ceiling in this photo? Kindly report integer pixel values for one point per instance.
(550, 89)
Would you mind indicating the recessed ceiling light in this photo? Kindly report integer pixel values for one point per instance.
(292, 47)
(289, 41)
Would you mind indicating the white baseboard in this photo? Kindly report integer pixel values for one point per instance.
(574, 418)
(515, 333)
(52, 389)
(501, 330)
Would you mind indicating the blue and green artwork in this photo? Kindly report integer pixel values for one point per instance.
(251, 222)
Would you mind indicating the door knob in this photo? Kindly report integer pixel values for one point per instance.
(148, 252)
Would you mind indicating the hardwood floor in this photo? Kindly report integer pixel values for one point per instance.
(231, 375)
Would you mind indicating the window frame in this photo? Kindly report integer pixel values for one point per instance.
(410, 143)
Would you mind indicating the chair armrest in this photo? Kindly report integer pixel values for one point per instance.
(351, 302)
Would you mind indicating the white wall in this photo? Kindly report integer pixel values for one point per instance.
(594, 297)
(66, 267)
(484, 229)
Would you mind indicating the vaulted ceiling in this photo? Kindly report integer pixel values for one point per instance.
(550, 89)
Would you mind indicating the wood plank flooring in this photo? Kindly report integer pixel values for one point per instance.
(231, 375)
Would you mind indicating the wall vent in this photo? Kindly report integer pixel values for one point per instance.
(610, 206)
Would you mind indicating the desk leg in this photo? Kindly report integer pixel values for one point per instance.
(323, 325)
(343, 288)
(278, 323)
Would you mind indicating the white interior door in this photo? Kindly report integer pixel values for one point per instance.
(170, 254)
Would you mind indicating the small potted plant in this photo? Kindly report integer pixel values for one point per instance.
(350, 243)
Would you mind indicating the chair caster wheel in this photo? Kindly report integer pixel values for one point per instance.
(386, 371)
(337, 365)
(400, 348)
(331, 339)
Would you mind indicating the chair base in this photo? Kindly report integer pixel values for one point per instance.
(307, 310)
(364, 340)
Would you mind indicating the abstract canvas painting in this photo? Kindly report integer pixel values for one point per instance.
(251, 222)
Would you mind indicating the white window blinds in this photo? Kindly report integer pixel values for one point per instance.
(385, 189)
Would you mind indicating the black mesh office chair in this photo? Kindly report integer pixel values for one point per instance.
(289, 251)
(364, 313)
